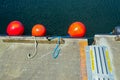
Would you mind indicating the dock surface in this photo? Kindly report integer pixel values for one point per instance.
(15, 63)
(114, 50)
(31, 58)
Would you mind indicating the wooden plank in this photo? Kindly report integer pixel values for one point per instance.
(83, 68)
(44, 41)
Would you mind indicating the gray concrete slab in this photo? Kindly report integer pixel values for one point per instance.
(15, 64)
(114, 50)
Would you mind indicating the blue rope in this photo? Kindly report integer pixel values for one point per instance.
(56, 51)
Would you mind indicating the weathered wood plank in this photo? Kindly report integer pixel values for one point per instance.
(83, 68)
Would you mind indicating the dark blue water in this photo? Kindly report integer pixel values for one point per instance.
(99, 16)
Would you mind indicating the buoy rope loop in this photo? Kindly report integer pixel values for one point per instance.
(35, 49)
(57, 49)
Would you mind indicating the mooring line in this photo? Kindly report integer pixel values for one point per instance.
(35, 50)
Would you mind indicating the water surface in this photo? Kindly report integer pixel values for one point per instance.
(99, 16)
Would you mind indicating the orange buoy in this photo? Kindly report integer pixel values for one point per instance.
(15, 28)
(77, 29)
(38, 30)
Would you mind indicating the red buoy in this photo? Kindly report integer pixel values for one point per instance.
(77, 29)
(38, 30)
(15, 28)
